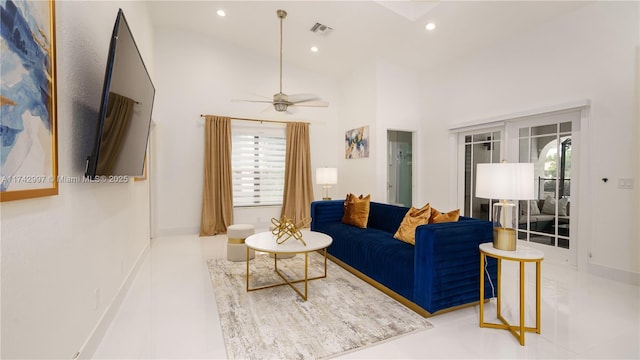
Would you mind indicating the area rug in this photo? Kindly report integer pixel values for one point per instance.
(342, 313)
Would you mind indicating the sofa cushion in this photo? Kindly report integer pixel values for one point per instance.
(532, 205)
(386, 217)
(414, 217)
(549, 206)
(375, 253)
(440, 217)
(533, 208)
(356, 210)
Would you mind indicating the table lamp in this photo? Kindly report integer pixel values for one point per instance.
(326, 177)
(505, 181)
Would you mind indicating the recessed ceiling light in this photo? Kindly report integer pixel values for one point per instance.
(314, 48)
(221, 13)
(430, 26)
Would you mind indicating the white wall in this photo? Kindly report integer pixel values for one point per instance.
(58, 250)
(199, 75)
(359, 95)
(587, 54)
(383, 96)
(399, 107)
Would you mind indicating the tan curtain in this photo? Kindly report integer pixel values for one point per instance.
(298, 186)
(217, 196)
(116, 125)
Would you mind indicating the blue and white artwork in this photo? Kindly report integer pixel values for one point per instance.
(357, 143)
(27, 96)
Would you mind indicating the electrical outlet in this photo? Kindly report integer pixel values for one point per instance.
(625, 183)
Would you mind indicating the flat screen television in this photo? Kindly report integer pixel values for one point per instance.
(125, 109)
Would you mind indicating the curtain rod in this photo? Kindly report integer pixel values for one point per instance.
(258, 120)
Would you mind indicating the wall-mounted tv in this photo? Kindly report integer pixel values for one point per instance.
(125, 109)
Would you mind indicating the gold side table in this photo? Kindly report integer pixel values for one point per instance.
(522, 255)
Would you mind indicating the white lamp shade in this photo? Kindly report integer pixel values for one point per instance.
(505, 181)
(326, 176)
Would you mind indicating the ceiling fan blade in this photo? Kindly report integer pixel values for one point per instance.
(312, 104)
(258, 101)
(296, 98)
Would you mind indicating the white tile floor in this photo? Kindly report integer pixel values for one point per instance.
(170, 313)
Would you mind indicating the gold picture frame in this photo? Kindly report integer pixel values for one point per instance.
(28, 102)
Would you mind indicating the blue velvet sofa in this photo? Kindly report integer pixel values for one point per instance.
(440, 273)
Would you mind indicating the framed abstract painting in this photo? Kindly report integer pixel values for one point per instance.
(28, 132)
(356, 143)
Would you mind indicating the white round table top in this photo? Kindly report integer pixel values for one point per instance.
(520, 253)
(266, 241)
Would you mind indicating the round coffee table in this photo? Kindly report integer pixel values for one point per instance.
(266, 242)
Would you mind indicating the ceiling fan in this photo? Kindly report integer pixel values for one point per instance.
(282, 101)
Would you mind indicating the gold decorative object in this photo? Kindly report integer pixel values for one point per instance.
(285, 228)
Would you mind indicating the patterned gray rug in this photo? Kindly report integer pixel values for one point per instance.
(343, 313)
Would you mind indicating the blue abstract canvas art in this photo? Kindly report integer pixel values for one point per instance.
(357, 143)
(28, 155)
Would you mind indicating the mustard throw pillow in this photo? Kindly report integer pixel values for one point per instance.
(412, 219)
(440, 217)
(356, 210)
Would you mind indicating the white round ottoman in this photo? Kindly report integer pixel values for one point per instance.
(236, 249)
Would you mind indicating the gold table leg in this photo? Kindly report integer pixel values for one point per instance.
(481, 290)
(291, 283)
(538, 265)
(517, 330)
(247, 261)
(498, 287)
(522, 284)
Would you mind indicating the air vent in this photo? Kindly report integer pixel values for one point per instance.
(321, 29)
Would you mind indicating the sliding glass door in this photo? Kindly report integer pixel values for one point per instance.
(479, 148)
(547, 141)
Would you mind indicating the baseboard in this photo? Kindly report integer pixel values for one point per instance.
(177, 231)
(622, 276)
(95, 337)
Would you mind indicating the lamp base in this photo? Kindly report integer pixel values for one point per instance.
(325, 192)
(504, 238)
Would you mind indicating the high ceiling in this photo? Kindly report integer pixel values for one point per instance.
(362, 30)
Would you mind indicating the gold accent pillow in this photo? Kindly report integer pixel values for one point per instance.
(356, 210)
(440, 217)
(414, 217)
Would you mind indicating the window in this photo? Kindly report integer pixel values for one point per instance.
(257, 165)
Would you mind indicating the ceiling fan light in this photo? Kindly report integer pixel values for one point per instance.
(280, 107)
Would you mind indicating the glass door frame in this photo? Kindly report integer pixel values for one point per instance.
(555, 253)
(461, 194)
(582, 215)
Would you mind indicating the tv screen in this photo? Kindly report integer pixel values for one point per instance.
(125, 109)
